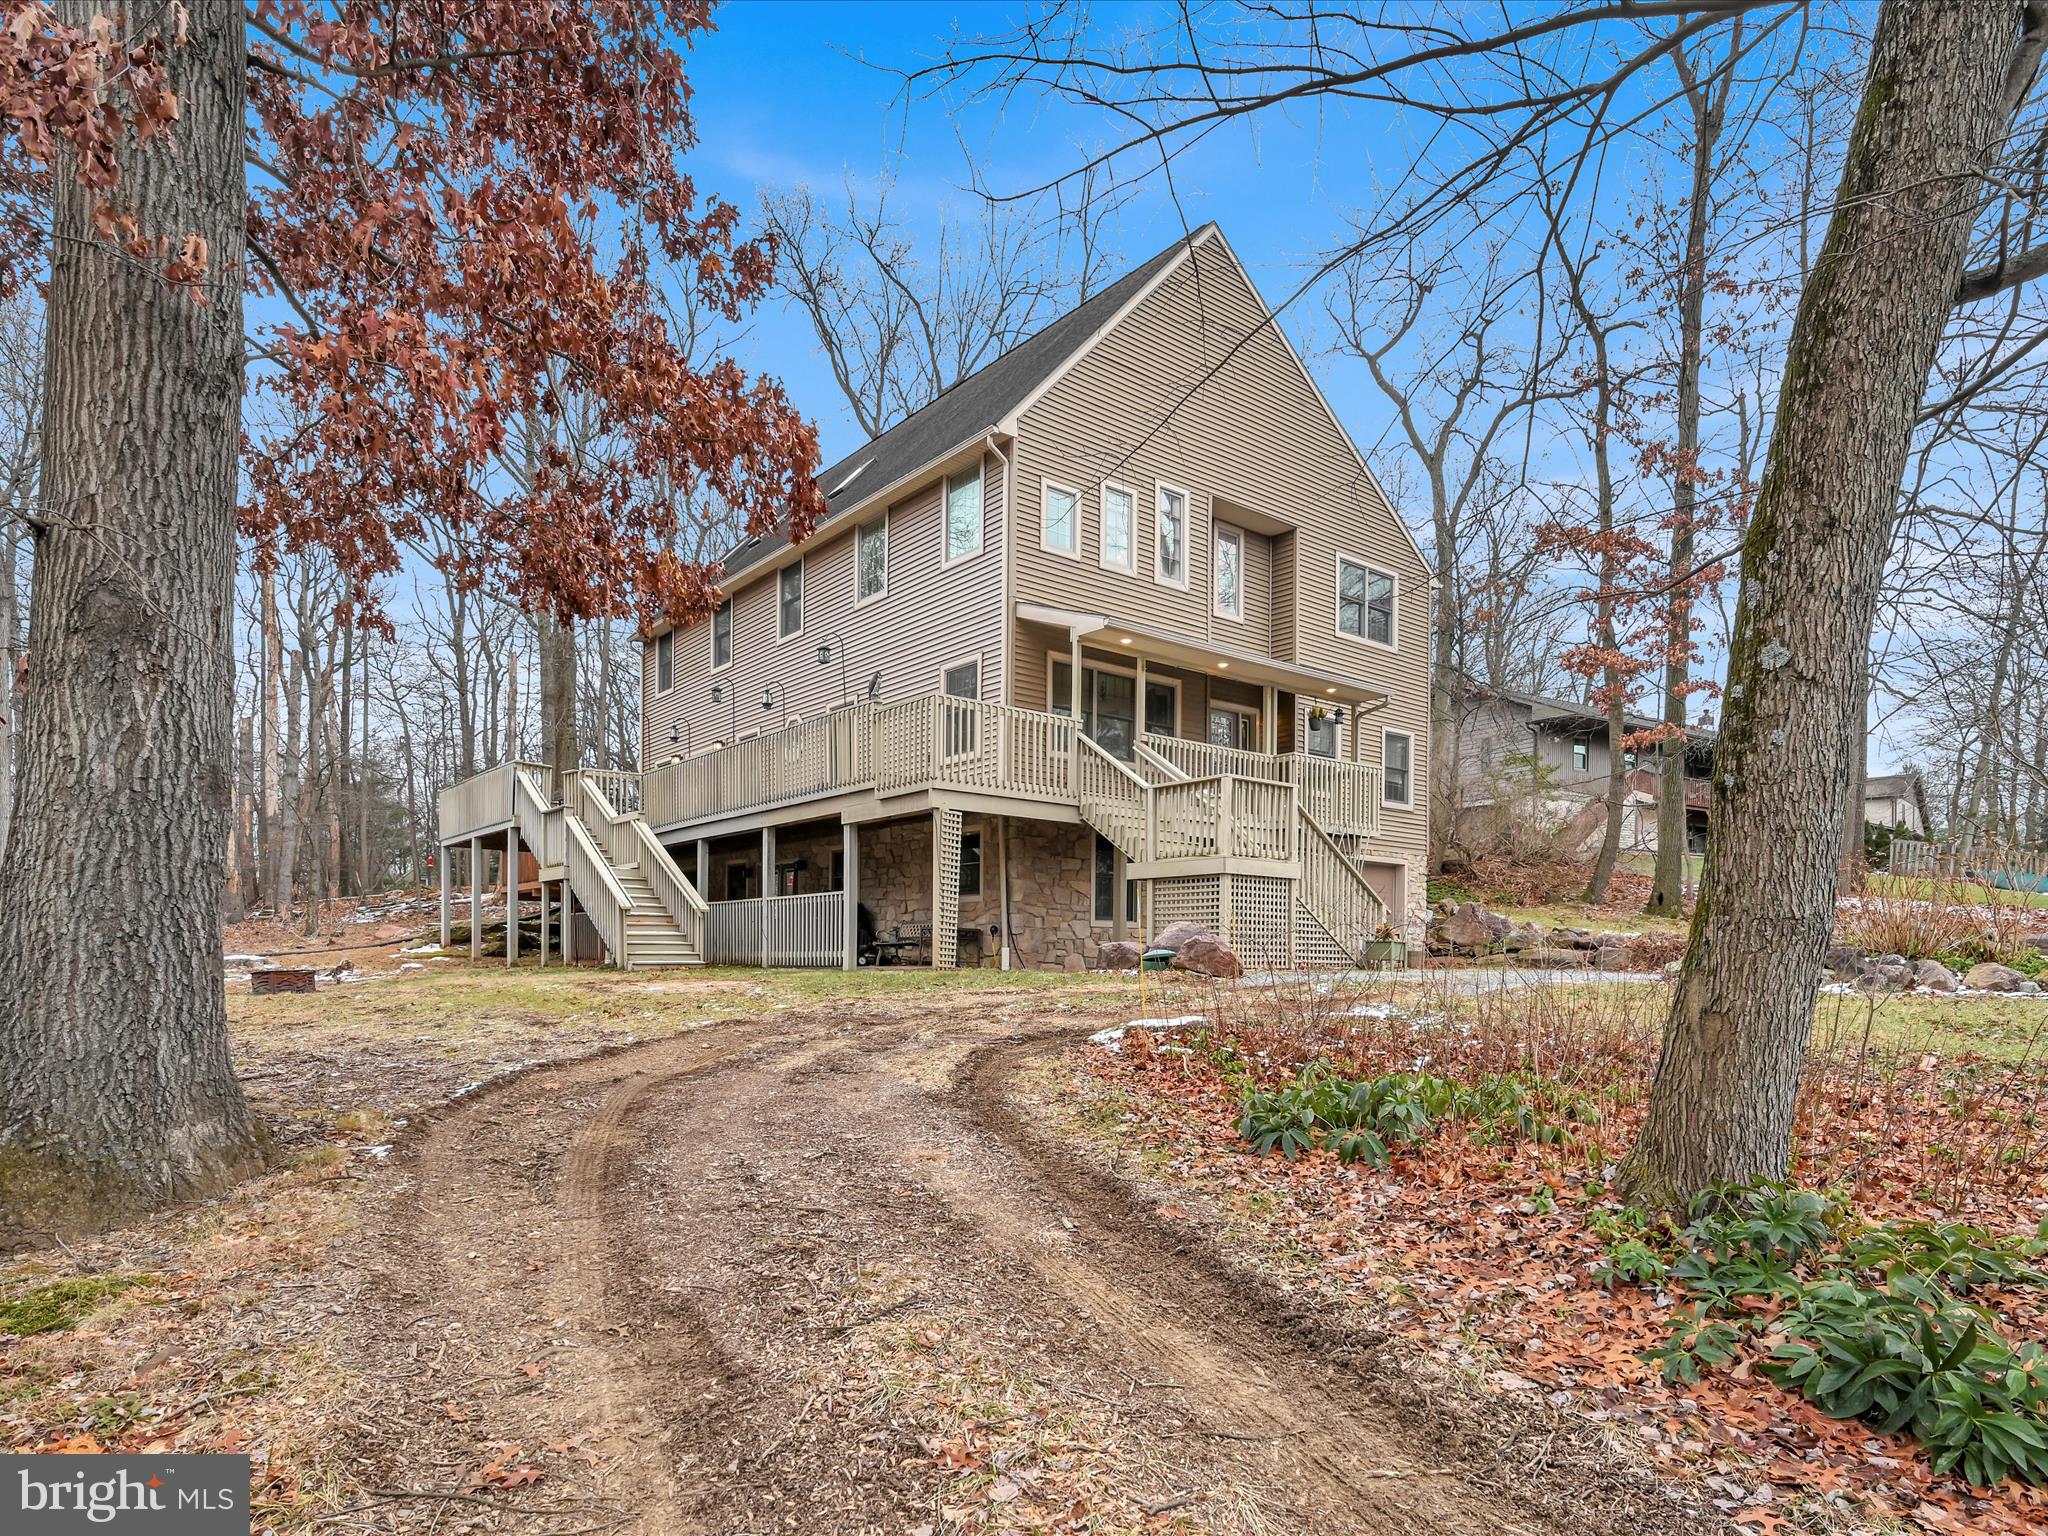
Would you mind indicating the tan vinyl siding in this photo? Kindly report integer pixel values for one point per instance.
(1257, 436)
(928, 619)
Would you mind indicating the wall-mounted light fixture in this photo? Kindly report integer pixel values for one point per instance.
(773, 694)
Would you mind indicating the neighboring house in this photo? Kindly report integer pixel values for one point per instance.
(1143, 521)
(1517, 750)
(1898, 801)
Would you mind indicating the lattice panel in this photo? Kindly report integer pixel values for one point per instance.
(1314, 949)
(946, 899)
(1261, 909)
(1186, 899)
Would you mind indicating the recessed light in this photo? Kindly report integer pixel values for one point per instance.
(1329, 690)
(1125, 641)
(1222, 666)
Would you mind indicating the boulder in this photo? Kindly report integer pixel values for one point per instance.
(1207, 955)
(1471, 928)
(1523, 936)
(1174, 935)
(1992, 977)
(1117, 955)
(1845, 961)
(1614, 957)
(1934, 976)
(1074, 963)
(1554, 959)
(1878, 976)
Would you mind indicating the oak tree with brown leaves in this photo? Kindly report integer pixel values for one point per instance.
(444, 216)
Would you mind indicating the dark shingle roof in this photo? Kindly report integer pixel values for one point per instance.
(970, 407)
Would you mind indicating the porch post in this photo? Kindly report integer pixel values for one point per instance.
(544, 904)
(1270, 727)
(1120, 923)
(442, 860)
(568, 901)
(476, 898)
(1142, 727)
(1079, 710)
(1001, 827)
(849, 896)
(945, 890)
(511, 895)
(703, 867)
(767, 882)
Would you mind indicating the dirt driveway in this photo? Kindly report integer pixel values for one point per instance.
(836, 1273)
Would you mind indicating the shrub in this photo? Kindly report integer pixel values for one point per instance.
(1363, 1119)
(1961, 1256)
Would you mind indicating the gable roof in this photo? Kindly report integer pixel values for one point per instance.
(1569, 716)
(972, 406)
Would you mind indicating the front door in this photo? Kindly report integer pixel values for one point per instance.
(1232, 725)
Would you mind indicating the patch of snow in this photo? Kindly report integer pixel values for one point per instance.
(379, 1152)
(422, 949)
(245, 961)
(1112, 1038)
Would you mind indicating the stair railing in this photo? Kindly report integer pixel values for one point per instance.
(591, 877)
(682, 901)
(1114, 800)
(1335, 890)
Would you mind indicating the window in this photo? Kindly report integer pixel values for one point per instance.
(1105, 885)
(1365, 602)
(1582, 756)
(1229, 573)
(1061, 531)
(721, 635)
(1232, 725)
(1172, 536)
(1162, 709)
(963, 514)
(961, 726)
(970, 864)
(665, 662)
(790, 615)
(963, 679)
(1397, 749)
(1322, 733)
(1119, 528)
(871, 559)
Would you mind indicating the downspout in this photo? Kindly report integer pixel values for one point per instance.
(1005, 619)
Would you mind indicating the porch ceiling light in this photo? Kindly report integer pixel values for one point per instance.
(1222, 666)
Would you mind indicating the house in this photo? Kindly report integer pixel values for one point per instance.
(1527, 754)
(1119, 631)
(1897, 801)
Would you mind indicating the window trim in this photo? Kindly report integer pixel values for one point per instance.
(1217, 532)
(1243, 712)
(1133, 902)
(860, 533)
(803, 592)
(1128, 567)
(661, 688)
(946, 560)
(1393, 642)
(1407, 804)
(1046, 486)
(1308, 726)
(1581, 748)
(731, 645)
(1187, 518)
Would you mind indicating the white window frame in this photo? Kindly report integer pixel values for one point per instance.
(668, 635)
(731, 635)
(1129, 895)
(1336, 719)
(1187, 519)
(1046, 487)
(946, 557)
(1393, 642)
(1407, 804)
(860, 533)
(968, 741)
(973, 659)
(1217, 533)
(1243, 712)
(803, 593)
(1102, 557)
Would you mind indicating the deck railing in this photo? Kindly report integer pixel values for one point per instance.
(1344, 797)
(1335, 891)
(776, 930)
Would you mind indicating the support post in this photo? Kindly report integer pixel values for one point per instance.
(945, 890)
(476, 898)
(1120, 922)
(703, 867)
(1002, 830)
(447, 880)
(849, 895)
(767, 885)
(1142, 726)
(511, 896)
(1080, 714)
(545, 903)
(569, 956)
(1269, 726)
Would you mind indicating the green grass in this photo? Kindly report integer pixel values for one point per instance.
(1955, 892)
(2009, 1029)
(60, 1304)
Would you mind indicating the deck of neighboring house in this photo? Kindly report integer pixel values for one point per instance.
(1260, 846)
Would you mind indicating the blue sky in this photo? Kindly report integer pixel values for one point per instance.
(792, 91)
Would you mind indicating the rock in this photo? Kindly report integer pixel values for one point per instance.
(1074, 963)
(1207, 955)
(1934, 976)
(1889, 960)
(1523, 936)
(1446, 908)
(1471, 928)
(1553, 959)
(1991, 977)
(1117, 955)
(1845, 961)
(1175, 935)
(1614, 957)
(2028, 988)
(1877, 976)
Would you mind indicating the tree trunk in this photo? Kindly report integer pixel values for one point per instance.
(118, 1093)
(10, 701)
(558, 743)
(270, 830)
(1855, 862)
(1868, 325)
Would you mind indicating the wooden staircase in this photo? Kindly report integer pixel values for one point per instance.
(646, 912)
